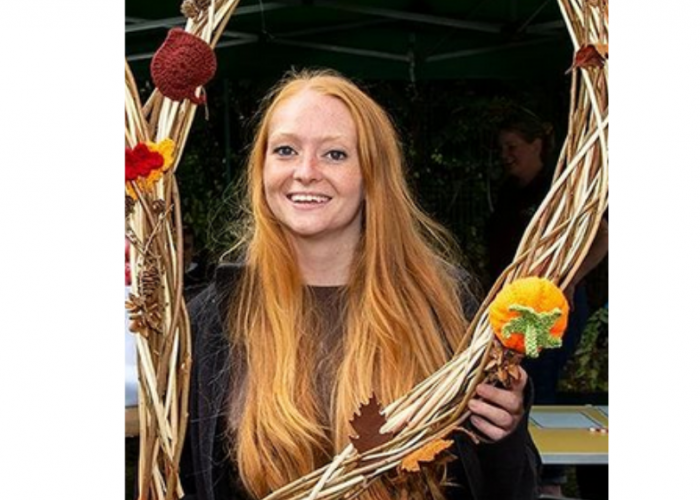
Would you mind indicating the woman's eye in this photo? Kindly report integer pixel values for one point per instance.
(283, 151)
(337, 155)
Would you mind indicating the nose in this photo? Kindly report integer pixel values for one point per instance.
(307, 170)
(503, 153)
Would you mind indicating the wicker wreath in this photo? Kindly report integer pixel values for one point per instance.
(553, 247)
(155, 138)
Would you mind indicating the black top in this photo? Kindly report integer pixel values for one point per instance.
(514, 209)
(500, 471)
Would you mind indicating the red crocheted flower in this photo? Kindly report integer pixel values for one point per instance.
(183, 63)
(141, 161)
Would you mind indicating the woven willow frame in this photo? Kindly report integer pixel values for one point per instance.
(155, 231)
(553, 246)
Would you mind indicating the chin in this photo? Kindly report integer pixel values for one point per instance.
(304, 232)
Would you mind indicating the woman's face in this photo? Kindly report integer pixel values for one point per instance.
(311, 176)
(520, 158)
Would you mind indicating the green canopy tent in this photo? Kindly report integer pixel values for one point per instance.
(389, 39)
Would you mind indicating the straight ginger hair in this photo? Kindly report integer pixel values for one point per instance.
(402, 312)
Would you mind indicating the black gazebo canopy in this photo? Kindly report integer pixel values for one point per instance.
(375, 39)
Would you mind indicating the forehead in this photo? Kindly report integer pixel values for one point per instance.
(510, 137)
(310, 112)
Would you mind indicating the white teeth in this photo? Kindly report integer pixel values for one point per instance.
(308, 198)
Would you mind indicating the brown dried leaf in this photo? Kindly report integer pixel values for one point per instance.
(136, 326)
(492, 364)
(367, 423)
(134, 303)
(602, 49)
(592, 55)
(426, 454)
(502, 375)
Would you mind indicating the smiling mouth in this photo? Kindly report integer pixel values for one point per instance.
(315, 199)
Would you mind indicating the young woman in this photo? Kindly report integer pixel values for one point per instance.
(344, 288)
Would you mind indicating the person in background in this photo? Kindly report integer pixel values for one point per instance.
(343, 288)
(194, 271)
(527, 154)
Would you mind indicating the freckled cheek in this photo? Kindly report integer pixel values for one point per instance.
(272, 180)
(351, 186)
(271, 189)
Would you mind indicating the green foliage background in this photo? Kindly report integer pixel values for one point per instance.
(587, 370)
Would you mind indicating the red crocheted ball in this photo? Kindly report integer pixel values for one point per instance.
(183, 63)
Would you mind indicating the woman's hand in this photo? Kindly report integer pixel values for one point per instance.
(497, 412)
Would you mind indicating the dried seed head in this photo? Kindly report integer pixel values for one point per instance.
(134, 304)
(189, 9)
(158, 206)
(129, 205)
(502, 366)
(137, 326)
(202, 4)
(149, 282)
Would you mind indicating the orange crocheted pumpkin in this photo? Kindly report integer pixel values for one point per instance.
(529, 315)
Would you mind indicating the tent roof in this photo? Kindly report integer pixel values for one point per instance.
(387, 39)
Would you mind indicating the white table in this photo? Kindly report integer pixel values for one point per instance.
(130, 372)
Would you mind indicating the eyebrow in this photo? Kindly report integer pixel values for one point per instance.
(292, 135)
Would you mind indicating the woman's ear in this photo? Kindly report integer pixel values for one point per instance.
(537, 146)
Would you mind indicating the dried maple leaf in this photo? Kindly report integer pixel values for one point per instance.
(426, 454)
(368, 423)
(602, 49)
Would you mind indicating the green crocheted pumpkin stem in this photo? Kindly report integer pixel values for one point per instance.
(535, 327)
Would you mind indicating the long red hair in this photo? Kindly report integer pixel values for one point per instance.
(403, 314)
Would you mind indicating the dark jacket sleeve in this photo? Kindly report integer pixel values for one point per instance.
(190, 461)
(510, 467)
(505, 470)
(205, 470)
